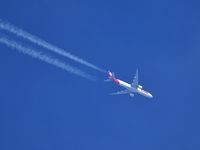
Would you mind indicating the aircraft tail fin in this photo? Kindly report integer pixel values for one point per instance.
(111, 74)
(107, 80)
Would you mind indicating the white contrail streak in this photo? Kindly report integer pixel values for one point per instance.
(43, 57)
(34, 39)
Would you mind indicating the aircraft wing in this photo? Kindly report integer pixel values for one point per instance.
(135, 80)
(120, 92)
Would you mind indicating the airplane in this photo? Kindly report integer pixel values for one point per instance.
(130, 89)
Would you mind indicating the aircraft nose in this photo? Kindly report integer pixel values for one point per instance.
(150, 95)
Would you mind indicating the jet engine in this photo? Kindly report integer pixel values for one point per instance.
(140, 86)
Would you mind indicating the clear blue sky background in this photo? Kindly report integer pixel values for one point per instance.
(42, 107)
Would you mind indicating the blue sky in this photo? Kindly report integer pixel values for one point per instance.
(43, 107)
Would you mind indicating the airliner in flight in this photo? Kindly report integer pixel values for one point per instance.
(130, 89)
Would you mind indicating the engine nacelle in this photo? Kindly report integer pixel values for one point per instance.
(140, 86)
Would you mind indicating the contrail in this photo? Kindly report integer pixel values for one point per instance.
(34, 39)
(43, 57)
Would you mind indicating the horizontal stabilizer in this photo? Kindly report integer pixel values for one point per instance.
(107, 80)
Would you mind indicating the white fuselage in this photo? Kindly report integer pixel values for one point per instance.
(133, 89)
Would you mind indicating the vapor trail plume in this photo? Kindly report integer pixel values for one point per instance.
(43, 57)
(34, 39)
